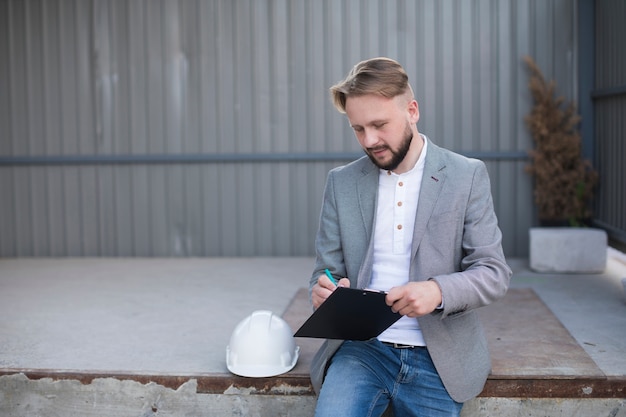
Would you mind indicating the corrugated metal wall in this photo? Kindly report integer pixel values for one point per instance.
(203, 128)
(609, 97)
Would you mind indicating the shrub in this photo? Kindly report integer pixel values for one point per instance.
(563, 180)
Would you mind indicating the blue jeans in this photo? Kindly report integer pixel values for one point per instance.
(365, 377)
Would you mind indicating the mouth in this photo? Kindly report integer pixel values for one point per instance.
(378, 151)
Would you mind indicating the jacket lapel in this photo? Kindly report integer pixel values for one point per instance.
(367, 190)
(432, 184)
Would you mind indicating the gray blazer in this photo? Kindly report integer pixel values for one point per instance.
(456, 242)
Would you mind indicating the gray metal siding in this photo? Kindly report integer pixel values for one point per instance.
(609, 97)
(204, 128)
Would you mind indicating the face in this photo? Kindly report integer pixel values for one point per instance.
(384, 129)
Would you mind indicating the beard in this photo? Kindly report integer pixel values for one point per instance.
(397, 156)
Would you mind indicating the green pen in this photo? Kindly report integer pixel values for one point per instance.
(329, 275)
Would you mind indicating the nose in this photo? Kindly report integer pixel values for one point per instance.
(369, 138)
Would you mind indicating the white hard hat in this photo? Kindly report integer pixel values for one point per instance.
(261, 345)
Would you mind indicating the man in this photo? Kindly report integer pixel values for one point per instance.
(416, 221)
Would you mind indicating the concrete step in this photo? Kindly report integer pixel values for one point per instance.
(536, 365)
(539, 368)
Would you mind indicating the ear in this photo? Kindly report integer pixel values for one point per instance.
(413, 111)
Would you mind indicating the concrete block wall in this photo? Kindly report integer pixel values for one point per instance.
(110, 397)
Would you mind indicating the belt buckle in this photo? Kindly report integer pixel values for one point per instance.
(400, 345)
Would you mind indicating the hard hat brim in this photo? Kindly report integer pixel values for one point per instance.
(262, 371)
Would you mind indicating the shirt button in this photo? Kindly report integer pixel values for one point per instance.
(400, 184)
(399, 203)
(399, 227)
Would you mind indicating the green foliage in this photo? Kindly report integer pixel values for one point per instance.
(564, 181)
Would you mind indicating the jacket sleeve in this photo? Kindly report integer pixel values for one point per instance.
(483, 276)
(328, 239)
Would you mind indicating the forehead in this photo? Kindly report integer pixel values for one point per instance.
(367, 108)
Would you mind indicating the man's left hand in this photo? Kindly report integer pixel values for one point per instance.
(414, 299)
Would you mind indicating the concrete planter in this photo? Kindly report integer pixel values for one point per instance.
(568, 250)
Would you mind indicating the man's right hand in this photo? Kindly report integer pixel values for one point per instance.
(325, 287)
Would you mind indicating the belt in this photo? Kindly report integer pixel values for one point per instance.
(401, 346)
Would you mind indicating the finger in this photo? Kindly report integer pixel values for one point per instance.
(325, 282)
(344, 282)
(401, 307)
(319, 295)
(393, 296)
(406, 307)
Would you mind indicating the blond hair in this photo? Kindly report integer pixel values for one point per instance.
(381, 76)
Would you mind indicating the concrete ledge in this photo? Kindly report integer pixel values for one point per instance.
(529, 387)
(568, 249)
(206, 383)
(110, 397)
(533, 356)
(130, 337)
(581, 388)
(22, 397)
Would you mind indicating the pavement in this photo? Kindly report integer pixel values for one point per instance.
(174, 316)
(591, 307)
(167, 315)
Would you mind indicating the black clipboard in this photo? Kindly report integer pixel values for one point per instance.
(349, 314)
